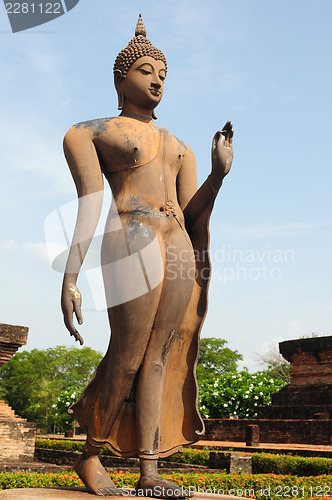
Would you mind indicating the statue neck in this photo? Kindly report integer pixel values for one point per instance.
(138, 116)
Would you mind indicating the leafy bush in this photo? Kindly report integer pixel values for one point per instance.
(238, 394)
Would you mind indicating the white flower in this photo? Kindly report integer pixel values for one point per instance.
(256, 397)
(225, 405)
(261, 394)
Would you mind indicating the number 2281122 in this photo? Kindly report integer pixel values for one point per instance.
(33, 8)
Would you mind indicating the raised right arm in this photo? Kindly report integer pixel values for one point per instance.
(82, 158)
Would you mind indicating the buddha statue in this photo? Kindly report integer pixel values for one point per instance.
(142, 400)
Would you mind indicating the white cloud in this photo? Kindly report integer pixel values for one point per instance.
(39, 249)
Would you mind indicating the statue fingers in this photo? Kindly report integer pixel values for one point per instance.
(78, 312)
(228, 132)
(77, 337)
(72, 330)
(216, 139)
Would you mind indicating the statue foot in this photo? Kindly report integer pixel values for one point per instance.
(95, 477)
(157, 487)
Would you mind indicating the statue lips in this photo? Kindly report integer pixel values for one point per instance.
(155, 92)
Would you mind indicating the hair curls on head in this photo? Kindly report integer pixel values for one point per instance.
(138, 47)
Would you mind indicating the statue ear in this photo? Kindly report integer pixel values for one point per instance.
(118, 78)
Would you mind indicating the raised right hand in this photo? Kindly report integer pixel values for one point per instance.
(71, 302)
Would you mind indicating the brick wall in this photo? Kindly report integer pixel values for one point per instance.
(271, 431)
(17, 439)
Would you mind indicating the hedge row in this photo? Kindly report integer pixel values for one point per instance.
(267, 487)
(188, 456)
(262, 463)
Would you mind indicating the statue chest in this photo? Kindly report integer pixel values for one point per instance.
(131, 147)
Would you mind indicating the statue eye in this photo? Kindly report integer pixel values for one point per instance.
(145, 71)
(162, 78)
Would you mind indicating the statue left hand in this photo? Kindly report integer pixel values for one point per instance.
(222, 152)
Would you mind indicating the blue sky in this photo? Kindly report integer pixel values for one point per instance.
(265, 65)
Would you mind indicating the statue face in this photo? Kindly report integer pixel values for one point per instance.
(144, 83)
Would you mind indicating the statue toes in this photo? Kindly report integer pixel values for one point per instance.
(115, 492)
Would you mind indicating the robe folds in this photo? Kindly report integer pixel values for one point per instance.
(180, 423)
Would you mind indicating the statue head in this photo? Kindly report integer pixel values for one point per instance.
(139, 53)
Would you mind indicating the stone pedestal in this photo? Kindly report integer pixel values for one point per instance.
(309, 394)
(252, 435)
(232, 463)
(17, 436)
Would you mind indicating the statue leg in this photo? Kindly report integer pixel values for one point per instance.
(175, 297)
(131, 325)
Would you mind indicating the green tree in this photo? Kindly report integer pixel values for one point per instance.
(215, 359)
(31, 382)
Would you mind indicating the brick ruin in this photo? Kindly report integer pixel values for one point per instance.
(302, 411)
(17, 436)
(309, 394)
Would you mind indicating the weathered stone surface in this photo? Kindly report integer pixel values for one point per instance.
(232, 463)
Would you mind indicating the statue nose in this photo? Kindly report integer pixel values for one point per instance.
(156, 85)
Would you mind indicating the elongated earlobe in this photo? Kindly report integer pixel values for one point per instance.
(154, 115)
(120, 100)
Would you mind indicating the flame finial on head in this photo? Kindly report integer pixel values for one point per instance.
(140, 28)
(138, 47)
